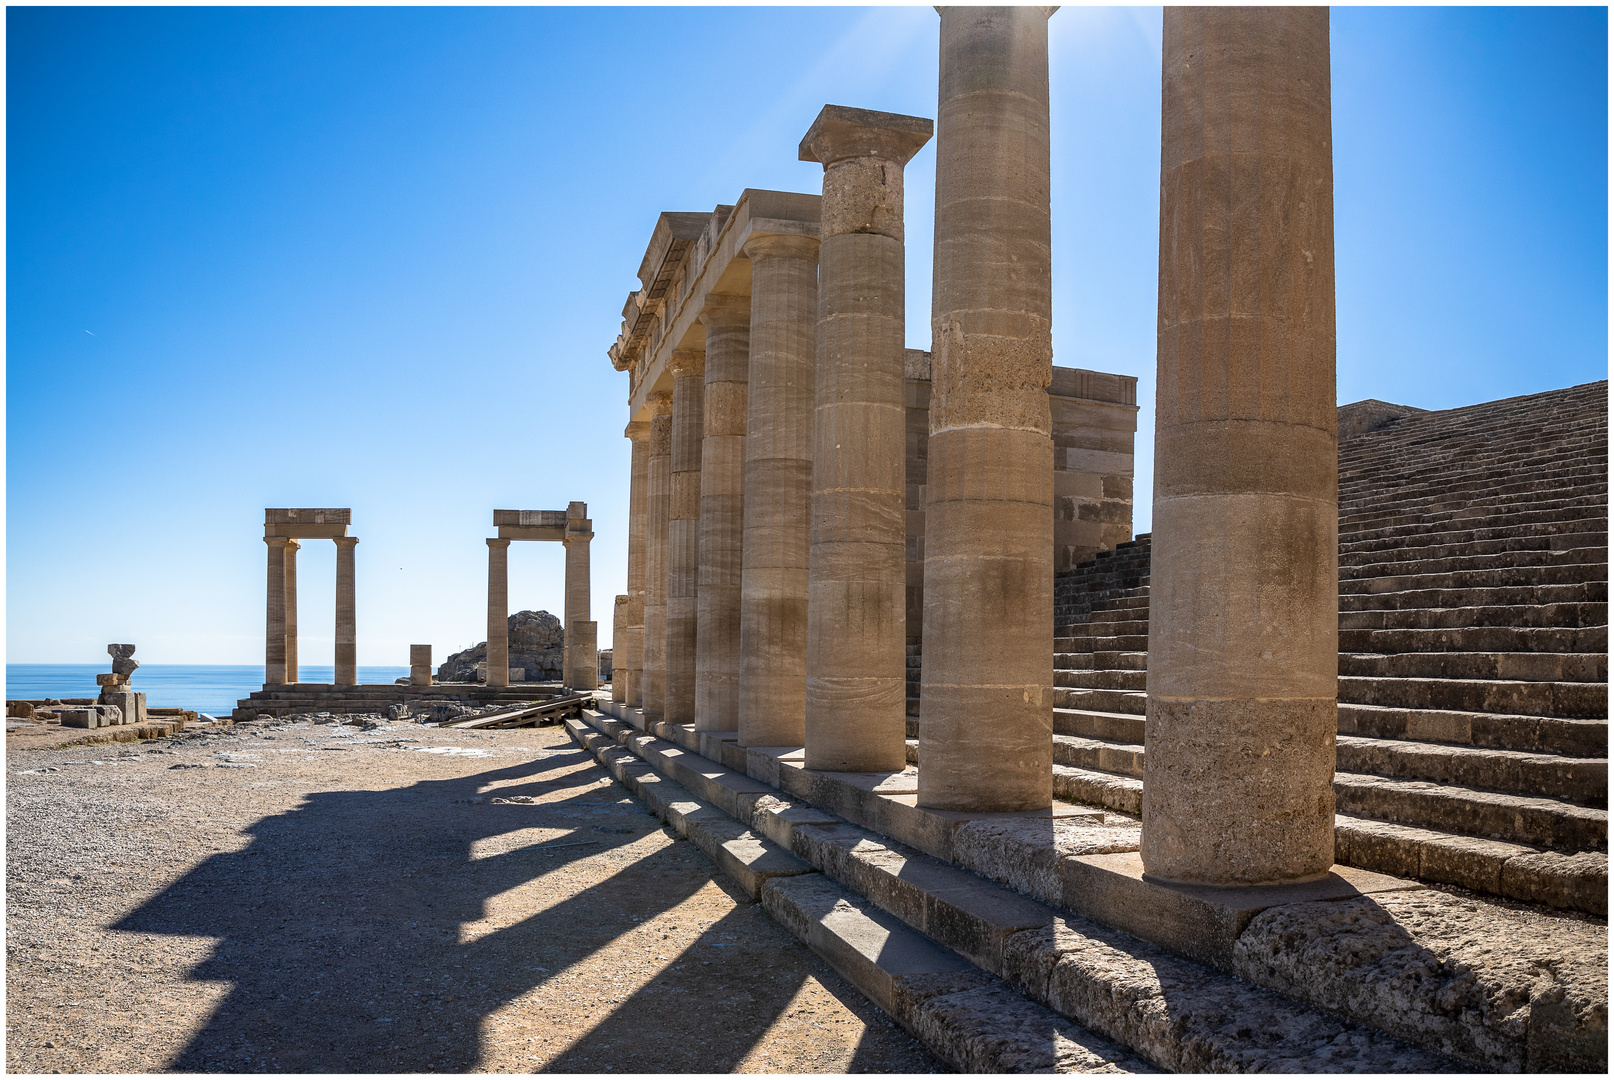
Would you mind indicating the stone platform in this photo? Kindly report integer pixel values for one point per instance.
(375, 697)
(1377, 974)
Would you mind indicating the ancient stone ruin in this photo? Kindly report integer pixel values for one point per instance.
(1312, 778)
(534, 644)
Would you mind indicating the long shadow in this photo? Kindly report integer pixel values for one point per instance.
(339, 925)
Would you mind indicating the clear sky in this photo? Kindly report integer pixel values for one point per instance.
(373, 257)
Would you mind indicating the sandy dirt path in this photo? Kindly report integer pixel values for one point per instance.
(299, 898)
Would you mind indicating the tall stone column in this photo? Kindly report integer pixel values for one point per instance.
(986, 686)
(579, 531)
(629, 649)
(778, 490)
(619, 632)
(1243, 620)
(347, 660)
(292, 547)
(658, 501)
(498, 612)
(683, 535)
(722, 512)
(856, 630)
(274, 634)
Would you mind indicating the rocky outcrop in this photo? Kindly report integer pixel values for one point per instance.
(536, 644)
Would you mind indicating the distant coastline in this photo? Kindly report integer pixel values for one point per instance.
(210, 688)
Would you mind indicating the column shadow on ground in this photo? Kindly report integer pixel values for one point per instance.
(339, 925)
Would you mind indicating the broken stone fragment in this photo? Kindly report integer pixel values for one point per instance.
(120, 652)
(122, 665)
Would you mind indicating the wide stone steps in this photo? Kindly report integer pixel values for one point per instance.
(1101, 679)
(1518, 666)
(1589, 613)
(1482, 525)
(1496, 578)
(1501, 731)
(1493, 487)
(1574, 779)
(1410, 552)
(1585, 592)
(1581, 700)
(1407, 564)
(1510, 639)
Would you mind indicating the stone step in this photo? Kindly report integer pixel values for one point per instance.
(1415, 549)
(1550, 506)
(1480, 527)
(1092, 724)
(1577, 533)
(1081, 639)
(1113, 660)
(1538, 822)
(1093, 787)
(1499, 578)
(1585, 592)
(1102, 755)
(1119, 701)
(1527, 734)
(1513, 639)
(1578, 700)
(1404, 563)
(1090, 679)
(1448, 493)
(1515, 666)
(1579, 780)
(1556, 615)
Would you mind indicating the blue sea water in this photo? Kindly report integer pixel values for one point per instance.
(209, 688)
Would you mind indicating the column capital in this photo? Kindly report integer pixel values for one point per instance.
(687, 362)
(841, 133)
(637, 431)
(780, 246)
(498, 542)
(345, 541)
(658, 403)
(722, 310)
(282, 541)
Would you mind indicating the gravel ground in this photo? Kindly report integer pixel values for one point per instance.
(292, 897)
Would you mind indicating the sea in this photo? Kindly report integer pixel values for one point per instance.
(209, 688)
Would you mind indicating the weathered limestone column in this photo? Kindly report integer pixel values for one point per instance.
(658, 500)
(629, 648)
(619, 631)
(1243, 622)
(347, 660)
(579, 531)
(986, 686)
(778, 490)
(498, 613)
(683, 535)
(856, 648)
(292, 547)
(727, 320)
(274, 635)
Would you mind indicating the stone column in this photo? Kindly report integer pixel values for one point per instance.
(683, 535)
(778, 490)
(274, 636)
(498, 613)
(292, 547)
(629, 649)
(658, 499)
(722, 522)
(420, 665)
(1244, 622)
(856, 647)
(579, 531)
(347, 661)
(986, 686)
(619, 632)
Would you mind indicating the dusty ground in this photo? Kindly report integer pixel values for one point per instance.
(301, 898)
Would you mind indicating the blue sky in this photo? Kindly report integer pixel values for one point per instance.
(374, 257)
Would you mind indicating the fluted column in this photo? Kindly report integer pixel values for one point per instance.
(658, 500)
(347, 659)
(498, 613)
(683, 535)
(1244, 589)
(856, 626)
(274, 635)
(986, 686)
(629, 649)
(575, 664)
(292, 547)
(722, 512)
(778, 490)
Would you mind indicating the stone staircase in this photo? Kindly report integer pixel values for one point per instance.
(1473, 696)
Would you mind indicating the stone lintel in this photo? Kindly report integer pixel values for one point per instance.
(532, 532)
(290, 531)
(1198, 921)
(715, 263)
(305, 515)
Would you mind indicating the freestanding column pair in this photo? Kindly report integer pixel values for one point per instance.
(280, 629)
